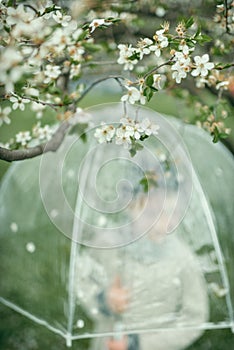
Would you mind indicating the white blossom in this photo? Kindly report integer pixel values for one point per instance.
(157, 81)
(51, 72)
(147, 128)
(61, 19)
(133, 95)
(18, 14)
(129, 128)
(5, 145)
(10, 57)
(202, 66)
(200, 82)
(178, 75)
(97, 23)
(127, 121)
(38, 108)
(161, 41)
(75, 70)
(125, 52)
(76, 52)
(185, 48)
(18, 102)
(143, 47)
(122, 138)
(60, 37)
(23, 137)
(4, 115)
(11, 77)
(222, 85)
(34, 29)
(42, 133)
(180, 67)
(31, 91)
(105, 133)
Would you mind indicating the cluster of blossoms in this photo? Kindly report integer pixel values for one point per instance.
(179, 61)
(174, 59)
(208, 120)
(133, 95)
(225, 16)
(127, 132)
(44, 47)
(129, 56)
(216, 79)
(39, 134)
(43, 44)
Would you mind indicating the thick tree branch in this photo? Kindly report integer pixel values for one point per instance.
(58, 137)
(50, 146)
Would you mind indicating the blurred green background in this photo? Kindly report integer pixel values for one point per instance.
(19, 333)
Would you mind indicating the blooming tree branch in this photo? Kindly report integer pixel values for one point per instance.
(56, 140)
(26, 153)
(45, 51)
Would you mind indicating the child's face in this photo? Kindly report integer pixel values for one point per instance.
(151, 213)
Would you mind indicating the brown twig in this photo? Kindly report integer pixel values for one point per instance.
(96, 82)
(156, 68)
(50, 104)
(226, 16)
(32, 8)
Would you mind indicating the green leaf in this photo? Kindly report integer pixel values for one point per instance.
(223, 66)
(198, 32)
(135, 56)
(132, 151)
(86, 26)
(203, 38)
(149, 180)
(189, 22)
(136, 146)
(153, 89)
(216, 135)
(149, 80)
(143, 137)
(223, 135)
(66, 100)
(114, 20)
(145, 184)
(148, 92)
(83, 35)
(10, 3)
(7, 29)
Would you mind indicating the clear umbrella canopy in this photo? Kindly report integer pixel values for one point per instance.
(98, 244)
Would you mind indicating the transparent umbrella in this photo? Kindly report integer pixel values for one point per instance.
(98, 244)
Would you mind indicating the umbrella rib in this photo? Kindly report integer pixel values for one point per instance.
(207, 211)
(77, 227)
(36, 319)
